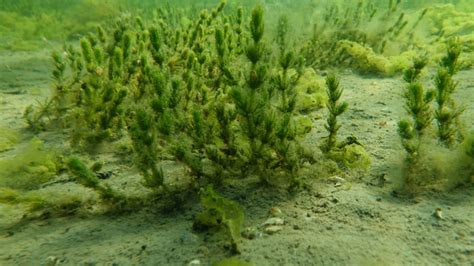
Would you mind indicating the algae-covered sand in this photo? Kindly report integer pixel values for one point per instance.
(351, 221)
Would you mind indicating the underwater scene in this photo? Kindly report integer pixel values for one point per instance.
(226, 132)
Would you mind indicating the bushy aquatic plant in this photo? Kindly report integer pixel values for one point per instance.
(210, 94)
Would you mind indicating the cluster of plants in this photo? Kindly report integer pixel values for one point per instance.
(435, 125)
(383, 38)
(210, 94)
(31, 24)
(362, 36)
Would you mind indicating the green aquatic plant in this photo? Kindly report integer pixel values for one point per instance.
(220, 211)
(469, 145)
(44, 202)
(426, 161)
(32, 165)
(146, 149)
(8, 138)
(206, 92)
(349, 153)
(366, 36)
(87, 178)
(418, 106)
(447, 112)
(335, 109)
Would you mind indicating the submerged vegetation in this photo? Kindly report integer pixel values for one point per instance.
(225, 94)
(417, 134)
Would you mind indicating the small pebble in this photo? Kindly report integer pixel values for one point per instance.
(194, 262)
(273, 229)
(438, 214)
(275, 211)
(251, 233)
(274, 221)
(51, 261)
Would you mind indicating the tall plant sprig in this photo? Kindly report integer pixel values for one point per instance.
(251, 98)
(447, 112)
(335, 109)
(418, 106)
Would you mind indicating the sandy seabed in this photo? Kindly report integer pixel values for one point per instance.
(356, 224)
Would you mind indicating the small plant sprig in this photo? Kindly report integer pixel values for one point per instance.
(447, 112)
(87, 178)
(57, 104)
(146, 149)
(335, 109)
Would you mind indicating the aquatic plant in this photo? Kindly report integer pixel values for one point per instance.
(220, 211)
(40, 203)
(349, 153)
(210, 94)
(447, 112)
(8, 138)
(87, 178)
(420, 166)
(31, 166)
(335, 109)
(469, 145)
(418, 106)
(367, 36)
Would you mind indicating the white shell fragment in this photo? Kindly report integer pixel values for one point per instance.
(273, 229)
(194, 263)
(274, 221)
(438, 214)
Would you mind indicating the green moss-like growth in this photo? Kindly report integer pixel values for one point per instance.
(220, 211)
(310, 92)
(8, 138)
(363, 36)
(32, 165)
(87, 178)
(56, 203)
(353, 156)
(468, 145)
(364, 59)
